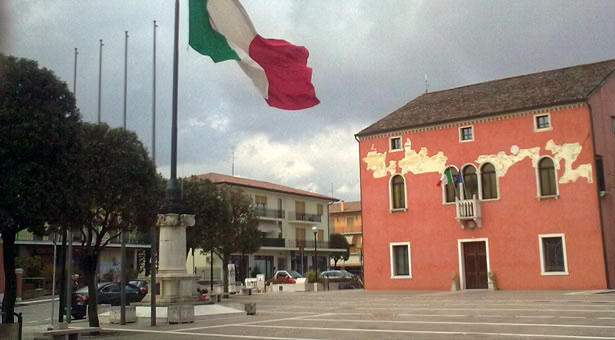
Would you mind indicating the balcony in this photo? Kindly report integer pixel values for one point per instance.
(274, 242)
(308, 244)
(303, 217)
(468, 210)
(270, 213)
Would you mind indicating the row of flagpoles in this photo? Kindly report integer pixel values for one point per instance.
(68, 266)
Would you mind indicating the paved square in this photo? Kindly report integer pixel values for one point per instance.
(363, 314)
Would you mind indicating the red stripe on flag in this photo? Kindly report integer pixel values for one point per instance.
(285, 65)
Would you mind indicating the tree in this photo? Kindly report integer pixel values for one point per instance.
(39, 127)
(225, 221)
(338, 241)
(119, 192)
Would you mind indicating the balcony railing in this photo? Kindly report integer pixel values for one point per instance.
(308, 244)
(274, 242)
(266, 212)
(298, 216)
(468, 210)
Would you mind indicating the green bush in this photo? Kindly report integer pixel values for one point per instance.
(312, 276)
(32, 265)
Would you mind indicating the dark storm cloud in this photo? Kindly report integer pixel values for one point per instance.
(368, 57)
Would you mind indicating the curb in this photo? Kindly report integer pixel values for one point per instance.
(33, 302)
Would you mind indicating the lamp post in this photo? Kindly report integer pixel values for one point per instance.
(315, 230)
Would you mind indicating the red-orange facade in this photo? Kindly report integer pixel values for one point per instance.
(521, 235)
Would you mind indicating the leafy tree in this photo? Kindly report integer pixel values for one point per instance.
(39, 127)
(225, 221)
(338, 241)
(119, 192)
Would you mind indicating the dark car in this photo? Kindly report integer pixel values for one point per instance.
(107, 293)
(141, 284)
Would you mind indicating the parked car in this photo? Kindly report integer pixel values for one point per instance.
(281, 274)
(347, 280)
(106, 293)
(141, 284)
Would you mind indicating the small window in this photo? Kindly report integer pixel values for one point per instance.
(546, 177)
(542, 122)
(600, 174)
(488, 181)
(553, 254)
(470, 182)
(261, 201)
(398, 192)
(319, 209)
(395, 143)
(400, 260)
(466, 134)
(450, 189)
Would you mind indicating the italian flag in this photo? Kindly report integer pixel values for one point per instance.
(446, 177)
(222, 30)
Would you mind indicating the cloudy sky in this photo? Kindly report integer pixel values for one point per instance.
(368, 58)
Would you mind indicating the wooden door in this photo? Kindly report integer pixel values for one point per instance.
(475, 263)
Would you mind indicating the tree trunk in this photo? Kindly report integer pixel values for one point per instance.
(90, 262)
(225, 261)
(335, 259)
(10, 279)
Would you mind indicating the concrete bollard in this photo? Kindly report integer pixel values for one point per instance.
(19, 274)
(250, 308)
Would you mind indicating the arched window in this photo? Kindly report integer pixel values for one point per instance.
(488, 181)
(546, 177)
(470, 182)
(398, 194)
(450, 191)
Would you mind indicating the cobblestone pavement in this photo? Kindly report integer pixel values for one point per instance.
(359, 314)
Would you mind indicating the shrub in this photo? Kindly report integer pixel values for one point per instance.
(32, 265)
(312, 276)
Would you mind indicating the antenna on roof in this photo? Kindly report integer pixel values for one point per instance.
(331, 189)
(426, 84)
(233, 161)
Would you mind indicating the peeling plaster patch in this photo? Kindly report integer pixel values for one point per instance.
(419, 163)
(502, 162)
(569, 153)
(377, 163)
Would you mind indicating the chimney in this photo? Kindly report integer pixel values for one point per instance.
(342, 206)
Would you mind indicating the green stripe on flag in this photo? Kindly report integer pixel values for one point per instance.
(203, 38)
(449, 177)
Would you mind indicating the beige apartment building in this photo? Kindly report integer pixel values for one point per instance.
(345, 219)
(293, 222)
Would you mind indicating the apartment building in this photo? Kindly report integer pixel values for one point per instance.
(294, 224)
(345, 219)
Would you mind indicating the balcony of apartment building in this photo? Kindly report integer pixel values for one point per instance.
(268, 213)
(134, 239)
(301, 217)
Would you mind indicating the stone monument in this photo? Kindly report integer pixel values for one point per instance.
(176, 285)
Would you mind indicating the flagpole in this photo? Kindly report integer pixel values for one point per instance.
(99, 77)
(123, 234)
(173, 195)
(154, 231)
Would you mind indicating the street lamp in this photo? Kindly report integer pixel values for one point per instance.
(315, 230)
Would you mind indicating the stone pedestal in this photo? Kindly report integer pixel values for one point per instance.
(176, 285)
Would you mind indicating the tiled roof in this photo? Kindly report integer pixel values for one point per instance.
(561, 86)
(353, 206)
(251, 183)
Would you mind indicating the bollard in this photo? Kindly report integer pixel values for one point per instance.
(250, 308)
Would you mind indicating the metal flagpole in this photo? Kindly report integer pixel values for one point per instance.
(154, 232)
(123, 235)
(53, 282)
(69, 257)
(99, 77)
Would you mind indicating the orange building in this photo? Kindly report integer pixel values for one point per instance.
(345, 219)
(528, 171)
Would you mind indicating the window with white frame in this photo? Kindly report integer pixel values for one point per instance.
(398, 193)
(450, 191)
(553, 254)
(470, 182)
(547, 180)
(466, 134)
(400, 260)
(395, 143)
(542, 122)
(488, 181)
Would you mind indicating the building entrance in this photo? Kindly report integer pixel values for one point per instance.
(475, 265)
